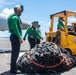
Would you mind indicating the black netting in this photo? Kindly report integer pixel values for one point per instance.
(45, 57)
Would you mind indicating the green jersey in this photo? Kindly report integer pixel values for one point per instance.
(60, 24)
(38, 34)
(14, 25)
(31, 32)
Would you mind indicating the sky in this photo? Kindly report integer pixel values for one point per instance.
(36, 10)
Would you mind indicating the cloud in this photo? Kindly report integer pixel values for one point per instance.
(72, 19)
(4, 2)
(6, 12)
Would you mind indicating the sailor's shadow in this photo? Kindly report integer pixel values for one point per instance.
(8, 73)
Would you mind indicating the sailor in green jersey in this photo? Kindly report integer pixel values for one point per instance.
(38, 34)
(60, 25)
(14, 25)
(31, 32)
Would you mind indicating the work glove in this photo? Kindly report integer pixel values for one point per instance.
(24, 38)
(42, 38)
(62, 28)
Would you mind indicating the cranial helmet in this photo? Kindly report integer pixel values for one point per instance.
(19, 7)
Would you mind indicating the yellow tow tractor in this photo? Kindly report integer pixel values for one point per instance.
(66, 38)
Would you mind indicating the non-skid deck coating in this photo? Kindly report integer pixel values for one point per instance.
(5, 59)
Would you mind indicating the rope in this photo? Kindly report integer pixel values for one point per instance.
(43, 66)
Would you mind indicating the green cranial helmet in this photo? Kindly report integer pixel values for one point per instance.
(35, 22)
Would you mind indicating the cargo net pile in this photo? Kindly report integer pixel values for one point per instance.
(46, 58)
